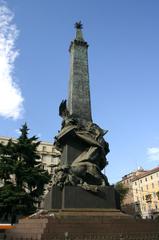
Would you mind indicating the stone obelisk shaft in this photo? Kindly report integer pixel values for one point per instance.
(79, 104)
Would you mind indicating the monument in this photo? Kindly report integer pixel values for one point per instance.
(81, 205)
(78, 181)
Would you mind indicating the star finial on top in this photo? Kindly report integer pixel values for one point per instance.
(78, 25)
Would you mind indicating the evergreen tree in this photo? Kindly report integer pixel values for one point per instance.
(6, 161)
(23, 176)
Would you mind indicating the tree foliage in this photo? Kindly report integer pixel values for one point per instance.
(122, 190)
(22, 174)
(157, 193)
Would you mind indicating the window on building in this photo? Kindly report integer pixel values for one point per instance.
(156, 174)
(135, 183)
(44, 148)
(143, 198)
(151, 177)
(141, 189)
(157, 194)
(143, 207)
(51, 170)
(147, 187)
(140, 181)
(146, 179)
(136, 191)
(149, 206)
(152, 185)
(42, 166)
(154, 194)
(52, 159)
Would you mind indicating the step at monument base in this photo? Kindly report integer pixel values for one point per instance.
(84, 225)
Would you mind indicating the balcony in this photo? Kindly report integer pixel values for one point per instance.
(156, 210)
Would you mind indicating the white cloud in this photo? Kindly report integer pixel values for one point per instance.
(153, 153)
(11, 100)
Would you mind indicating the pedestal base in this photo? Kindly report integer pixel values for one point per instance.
(76, 197)
(82, 224)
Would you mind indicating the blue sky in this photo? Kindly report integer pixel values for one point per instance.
(123, 39)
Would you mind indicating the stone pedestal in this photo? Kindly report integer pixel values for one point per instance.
(83, 224)
(76, 197)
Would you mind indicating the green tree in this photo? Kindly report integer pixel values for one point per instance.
(157, 193)
(122, 190)
(6, 161)
(24, 179)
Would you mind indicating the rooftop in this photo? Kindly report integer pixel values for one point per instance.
(146, 173)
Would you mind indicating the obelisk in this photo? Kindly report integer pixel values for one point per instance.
(78, 181)
(79, 103)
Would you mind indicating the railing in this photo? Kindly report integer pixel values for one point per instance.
(156, 210)
(6, 226)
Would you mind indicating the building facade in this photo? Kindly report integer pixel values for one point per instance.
(128, 205)
(49, 156)
(145, 189)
